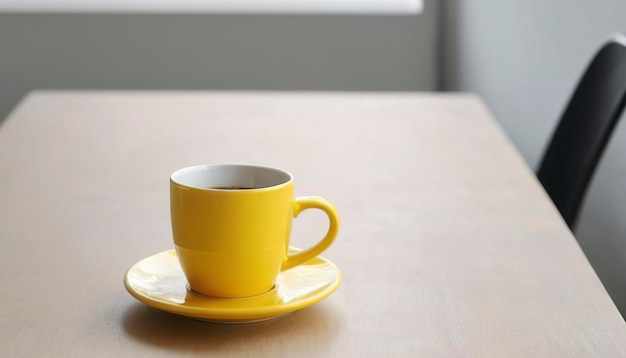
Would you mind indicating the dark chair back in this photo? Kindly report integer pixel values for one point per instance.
(584, 129)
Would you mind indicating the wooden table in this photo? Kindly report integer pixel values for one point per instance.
(448, 245)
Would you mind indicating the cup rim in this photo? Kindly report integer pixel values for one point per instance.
(253, 166)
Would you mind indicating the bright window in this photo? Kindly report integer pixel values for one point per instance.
(399, 7)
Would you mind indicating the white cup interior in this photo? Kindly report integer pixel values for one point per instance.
(230, 176)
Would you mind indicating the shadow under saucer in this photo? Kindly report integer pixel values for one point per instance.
(316, 326)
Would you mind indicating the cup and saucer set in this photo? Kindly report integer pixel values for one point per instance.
(232, 263)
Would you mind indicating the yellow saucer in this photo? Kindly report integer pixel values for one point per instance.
(159, 282)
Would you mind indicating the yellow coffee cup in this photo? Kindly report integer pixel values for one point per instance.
(232, 223)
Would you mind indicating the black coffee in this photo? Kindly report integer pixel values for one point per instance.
(231, 188)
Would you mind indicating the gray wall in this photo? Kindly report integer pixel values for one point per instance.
(238, 52)
(524, 58)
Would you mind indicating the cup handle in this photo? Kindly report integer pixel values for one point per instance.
(312, 202)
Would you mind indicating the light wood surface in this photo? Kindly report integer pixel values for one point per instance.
(448, 245)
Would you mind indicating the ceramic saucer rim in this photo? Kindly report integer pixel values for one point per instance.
(236, 314)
